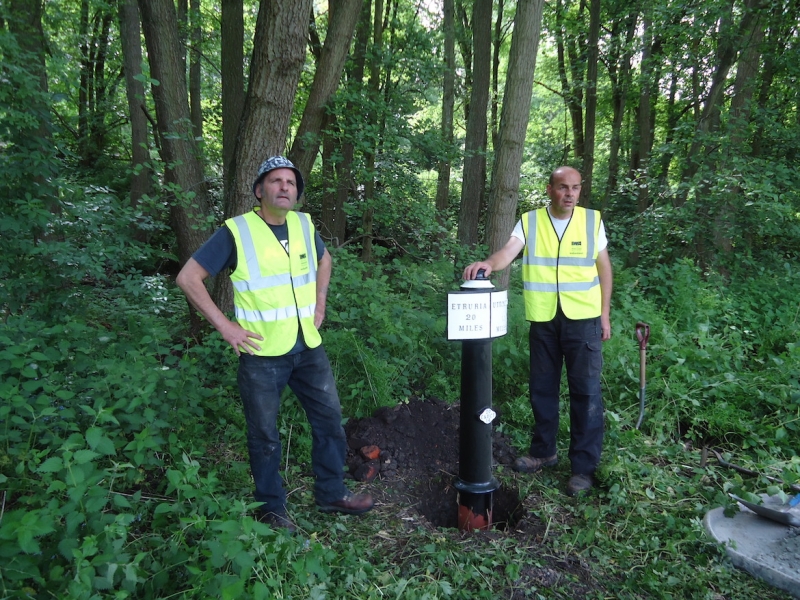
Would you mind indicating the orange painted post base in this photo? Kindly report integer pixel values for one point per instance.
(469, 521)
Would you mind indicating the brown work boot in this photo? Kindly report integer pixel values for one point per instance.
(579, 484)
(532, 464)
(351, 504)
(277, 521)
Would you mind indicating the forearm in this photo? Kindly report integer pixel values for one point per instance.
(198, 296)
(191, 281)
(324, 269)
(606, 282)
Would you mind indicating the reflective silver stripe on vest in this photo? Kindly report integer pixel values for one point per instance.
(262, 282)
(590, 218)
(256, 282)
(277, 314)
(312, 266)
(529, 258)
(539, 261)
(249, 248)
(582, 286)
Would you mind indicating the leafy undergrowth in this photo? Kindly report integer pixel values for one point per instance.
(123, 462)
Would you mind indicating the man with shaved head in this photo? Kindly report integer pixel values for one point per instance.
(567, 291)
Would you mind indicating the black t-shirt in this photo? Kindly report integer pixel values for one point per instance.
(219, 253)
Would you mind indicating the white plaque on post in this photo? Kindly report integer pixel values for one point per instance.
(477, 315)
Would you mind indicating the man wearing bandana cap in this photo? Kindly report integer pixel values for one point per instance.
(280, 270)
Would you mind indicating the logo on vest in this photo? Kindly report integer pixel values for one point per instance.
(304, 261)
(576, 248)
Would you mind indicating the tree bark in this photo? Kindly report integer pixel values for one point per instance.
(278, 57)
(591, 102)
(619, 70)
(504, 193)
(497, 43)
(744, 85)
(734, 38)
(195, 72)
(369, 159)
(232, 61)
(334, 218)
(25, 22)
(182, 166)
(448, 105)
(464, 40)
(130, 37)
(474, 182)
(327, 75)
(572, 89)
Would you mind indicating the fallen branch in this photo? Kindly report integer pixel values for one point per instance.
(744, 470)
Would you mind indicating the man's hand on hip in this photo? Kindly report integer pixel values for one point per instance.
(240, 338)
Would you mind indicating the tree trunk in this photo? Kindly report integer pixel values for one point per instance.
(92, 109)
(591, 102)
(83, 87)
(497, 43)
(369, 159)
(131, 39)
(572, 90)
(327, 75)
(474, 181)
(732, 40)
(747, 70)
(464, 40)
(195, 96)
(673, 116)
(334, 218)
(504, 193)
(448, 105)
(183, 170)
(328, 208)
(232, 81)
(278, 57)
(645, 118)
(620, 74)
(25, 22)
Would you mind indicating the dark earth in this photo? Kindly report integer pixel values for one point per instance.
(412, 459)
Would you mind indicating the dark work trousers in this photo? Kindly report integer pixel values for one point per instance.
(578, 344)
(308, 374)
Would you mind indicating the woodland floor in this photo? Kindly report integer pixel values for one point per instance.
(419, 443)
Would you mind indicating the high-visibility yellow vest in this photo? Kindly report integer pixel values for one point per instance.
(563, 270)
(274, 293)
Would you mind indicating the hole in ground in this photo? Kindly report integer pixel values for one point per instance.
(439, 504)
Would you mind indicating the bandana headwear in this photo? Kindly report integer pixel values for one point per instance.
(279, 162)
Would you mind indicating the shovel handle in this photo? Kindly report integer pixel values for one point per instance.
(642, 334)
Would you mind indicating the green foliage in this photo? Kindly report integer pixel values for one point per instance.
(388, 331)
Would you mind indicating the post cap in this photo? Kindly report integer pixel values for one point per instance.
(480, 282)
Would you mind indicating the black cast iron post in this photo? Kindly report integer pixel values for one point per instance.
(475, 482)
